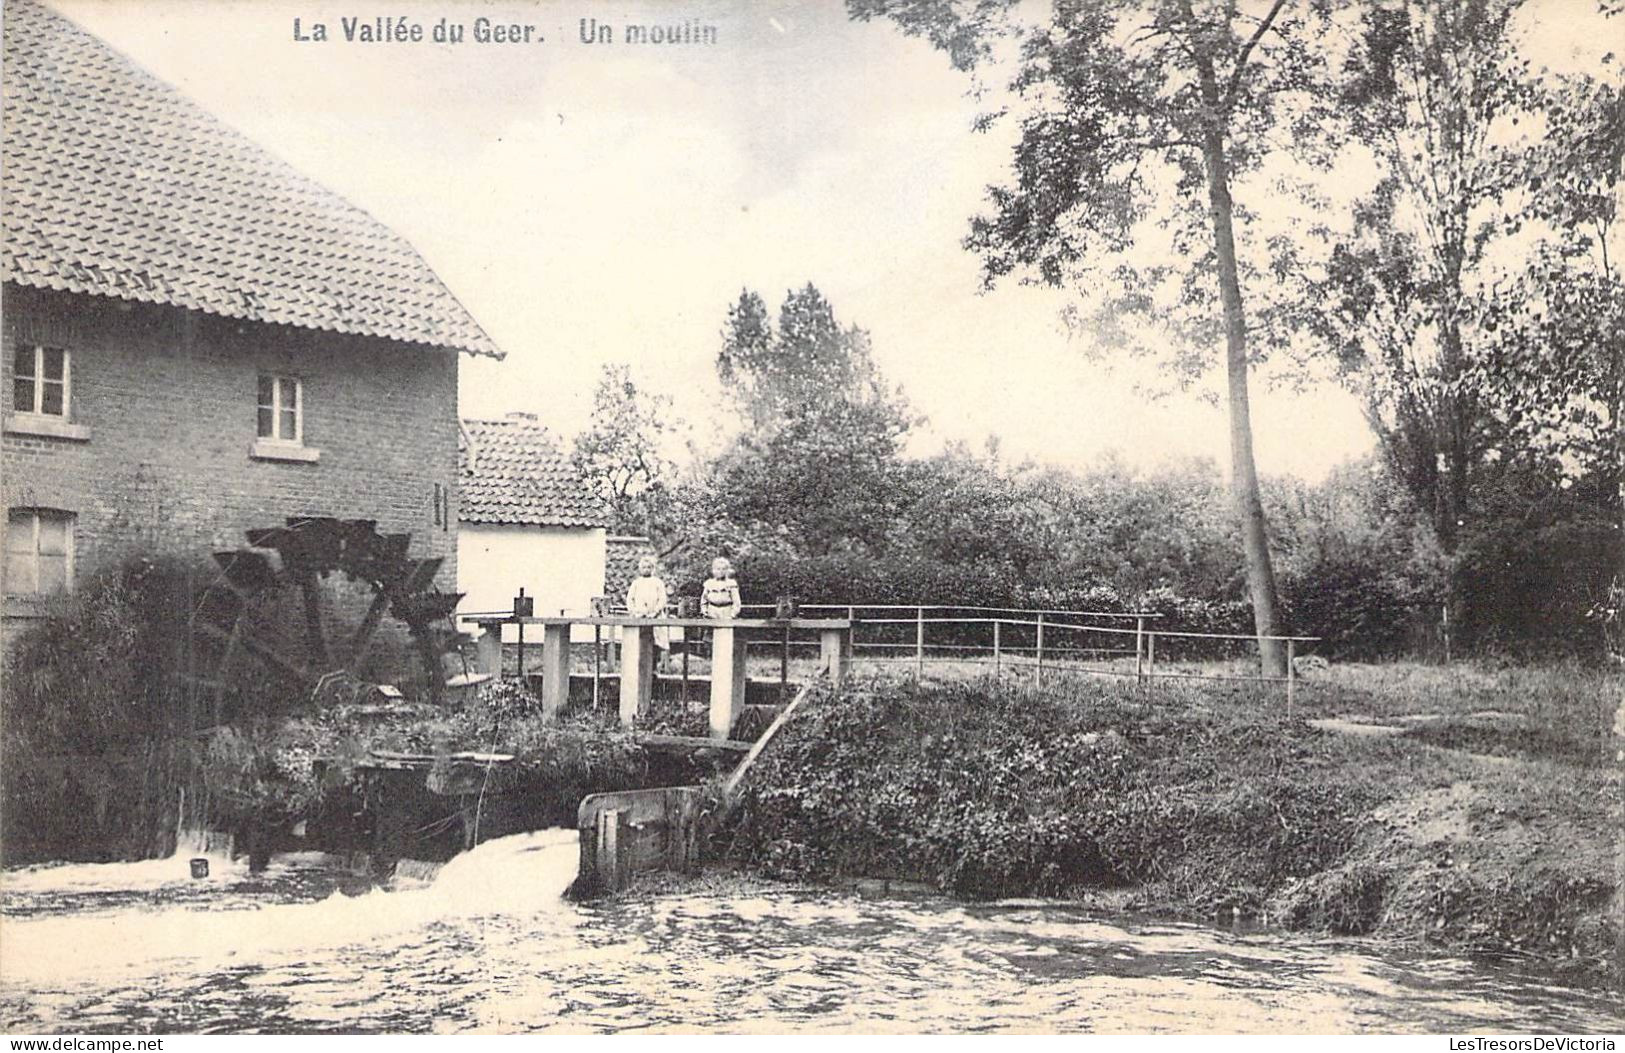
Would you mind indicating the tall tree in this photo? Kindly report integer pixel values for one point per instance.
(1145, 110)
(622, 453)
(1432, 88)
(817, 460)
(1476, 303)
(1554, 366)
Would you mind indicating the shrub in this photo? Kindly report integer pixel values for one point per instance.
(264, 771)
(1354, 603)
(586, 751)
(994, 791)
(92, 714)
(99, 671)
(1530, 591)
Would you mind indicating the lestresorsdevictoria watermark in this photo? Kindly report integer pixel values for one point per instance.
(1538, 1044)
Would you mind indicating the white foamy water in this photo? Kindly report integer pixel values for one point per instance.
(523, 874)
(488, 945)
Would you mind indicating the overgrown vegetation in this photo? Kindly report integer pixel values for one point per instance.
(1200, 802)
(102, 737)
(266, 771)
(93, 759)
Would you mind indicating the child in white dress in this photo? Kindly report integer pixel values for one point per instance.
(646, 598)
(720, 597)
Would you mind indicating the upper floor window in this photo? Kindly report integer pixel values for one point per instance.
(281, 410)
(39, 552)
(40, 381)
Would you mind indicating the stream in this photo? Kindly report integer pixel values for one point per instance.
(487, 945)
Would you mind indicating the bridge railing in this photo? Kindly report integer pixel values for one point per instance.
(938, 640)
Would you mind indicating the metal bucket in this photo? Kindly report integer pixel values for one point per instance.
(200, 867)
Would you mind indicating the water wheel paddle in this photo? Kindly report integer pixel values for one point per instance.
(324, 653)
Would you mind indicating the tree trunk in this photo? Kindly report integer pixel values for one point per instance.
(1243, 470)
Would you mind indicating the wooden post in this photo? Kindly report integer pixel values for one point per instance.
(1151, 658)
(522, 652)
(1139, 650)
(637, 671)
(597, 660)
(836, 648)
(919, 643)
(727, 679)
(609, 862)
(1290, 678)
(784, 669)
(555, 668)
(687, 643)
(996, 657)
(1038, 674)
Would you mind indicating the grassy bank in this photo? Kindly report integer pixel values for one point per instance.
(1205, 800)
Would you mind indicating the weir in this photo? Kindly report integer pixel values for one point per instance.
(417, 808)
(624, 834)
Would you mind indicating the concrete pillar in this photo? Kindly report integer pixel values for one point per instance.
(488, 649)
(637, 671)
(555, 669)
(836, 647)
(727, 679)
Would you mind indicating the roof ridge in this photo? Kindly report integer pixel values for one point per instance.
(522, 475)
(156, 198)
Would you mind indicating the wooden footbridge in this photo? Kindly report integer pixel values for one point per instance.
(729, 638)
(625, 831)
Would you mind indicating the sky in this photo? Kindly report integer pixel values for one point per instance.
(603, 203)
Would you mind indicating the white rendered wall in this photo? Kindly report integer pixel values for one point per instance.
(563, 567)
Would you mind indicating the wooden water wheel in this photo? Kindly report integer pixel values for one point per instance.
(270, 606)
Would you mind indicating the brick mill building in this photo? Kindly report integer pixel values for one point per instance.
(197, 338)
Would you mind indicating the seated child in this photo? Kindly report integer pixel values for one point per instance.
(720, 596)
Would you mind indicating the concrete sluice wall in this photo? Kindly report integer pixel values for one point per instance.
(427, 814)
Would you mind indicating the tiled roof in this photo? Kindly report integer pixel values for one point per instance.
(514, 473)
(621, 555)
(117, 185)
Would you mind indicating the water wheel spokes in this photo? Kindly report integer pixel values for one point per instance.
(301, 555)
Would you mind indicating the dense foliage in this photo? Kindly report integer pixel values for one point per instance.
(990, 790)
(92, 766)
(102, 739)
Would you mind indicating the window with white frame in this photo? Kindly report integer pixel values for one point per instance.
(39, 552)
(40, 381)
(281, 409)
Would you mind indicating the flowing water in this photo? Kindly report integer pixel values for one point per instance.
(487, 945)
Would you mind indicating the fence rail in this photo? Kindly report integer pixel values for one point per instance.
(1042, 642)
(1024, 640)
